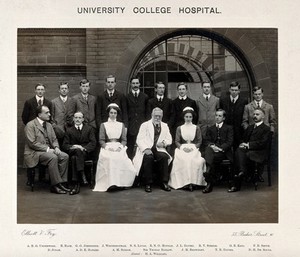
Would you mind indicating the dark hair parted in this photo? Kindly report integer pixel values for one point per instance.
(84, 81)
(257, 88)
(39, 109)
(40, 84)
(221, 110)
(235, 84)
(182, 84)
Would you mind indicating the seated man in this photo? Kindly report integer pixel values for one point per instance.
(219, 139)
(79, 143)
(153, 138)
(41, 146)
(254, 147)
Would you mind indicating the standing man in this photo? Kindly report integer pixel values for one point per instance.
(219, 139)
(234, 106)
(41, 146)
(181, 102)
(153, 138)
(269, 116)
(111, 95)
(207, 106)
(86, 103)
(254, 148)
(162, 102)
(79, 143)
(29, 110)
(62, 111)
(136, 109)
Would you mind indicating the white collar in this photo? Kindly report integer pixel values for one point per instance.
(260, 102)
(39, 98)
(204, 95)
(259, 123)
(63, 98)
(235, 99)
(40, 121)
(182, 97)
(84, 96)
(110, 92)
(159, 97)
(219, 125)
(133, 92)
(80, 126)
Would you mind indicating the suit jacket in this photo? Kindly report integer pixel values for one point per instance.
(87, 108)
(234, 115)
(62, 115)
(86, 138)
(207, 111)
(29, 110)
(178, 106)
(259, 140)
(269, 119)
(35, 142)
(167, 107)
(226, 138)
(179, 140)
(104, 100)
(137, 111)
(145, 139)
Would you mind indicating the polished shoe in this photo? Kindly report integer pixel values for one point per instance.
(166, 187)
(233, 189)
(57, 190)
(207, 189)
(84, 180)
(61, 186)
(191, 188)
(75, 190)
(148, 189)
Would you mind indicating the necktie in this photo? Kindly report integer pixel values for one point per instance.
(110, 95)
(78, 128)
(232, 100)
(86, 98)
(218, 134)
(39, 102)
(135, 95)
(44, 125)
(159, 99)
(257, 104)
(157, 128)
(207, 98)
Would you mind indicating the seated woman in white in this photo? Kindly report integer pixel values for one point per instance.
(114, 168)
(188, 165)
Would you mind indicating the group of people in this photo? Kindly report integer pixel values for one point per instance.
(177, 143)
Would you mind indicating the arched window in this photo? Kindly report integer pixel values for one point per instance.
(192, 59)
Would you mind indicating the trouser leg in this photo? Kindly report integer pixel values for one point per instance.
(51, 160)
(148, 169)
(162, 163)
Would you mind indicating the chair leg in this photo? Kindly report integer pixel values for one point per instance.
(92, 177)
(255, 177)
(30, 178)
(269, 174)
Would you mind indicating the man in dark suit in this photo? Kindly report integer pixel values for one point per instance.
(254, 148)
(219, 139)
(162, 102)
(41, 146)
(234, 106)
(207, 106)
(86, 103)
(111, 95)
(179, 104)
(29, 110)
(79, 143)
(136, 109)
(62, 112)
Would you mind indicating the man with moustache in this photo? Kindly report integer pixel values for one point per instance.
(111, 95)
(62, 111)
(79, 143)
(153, 138)
(41, 146)
(254, 148)
(136, 109)
(162, 102)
